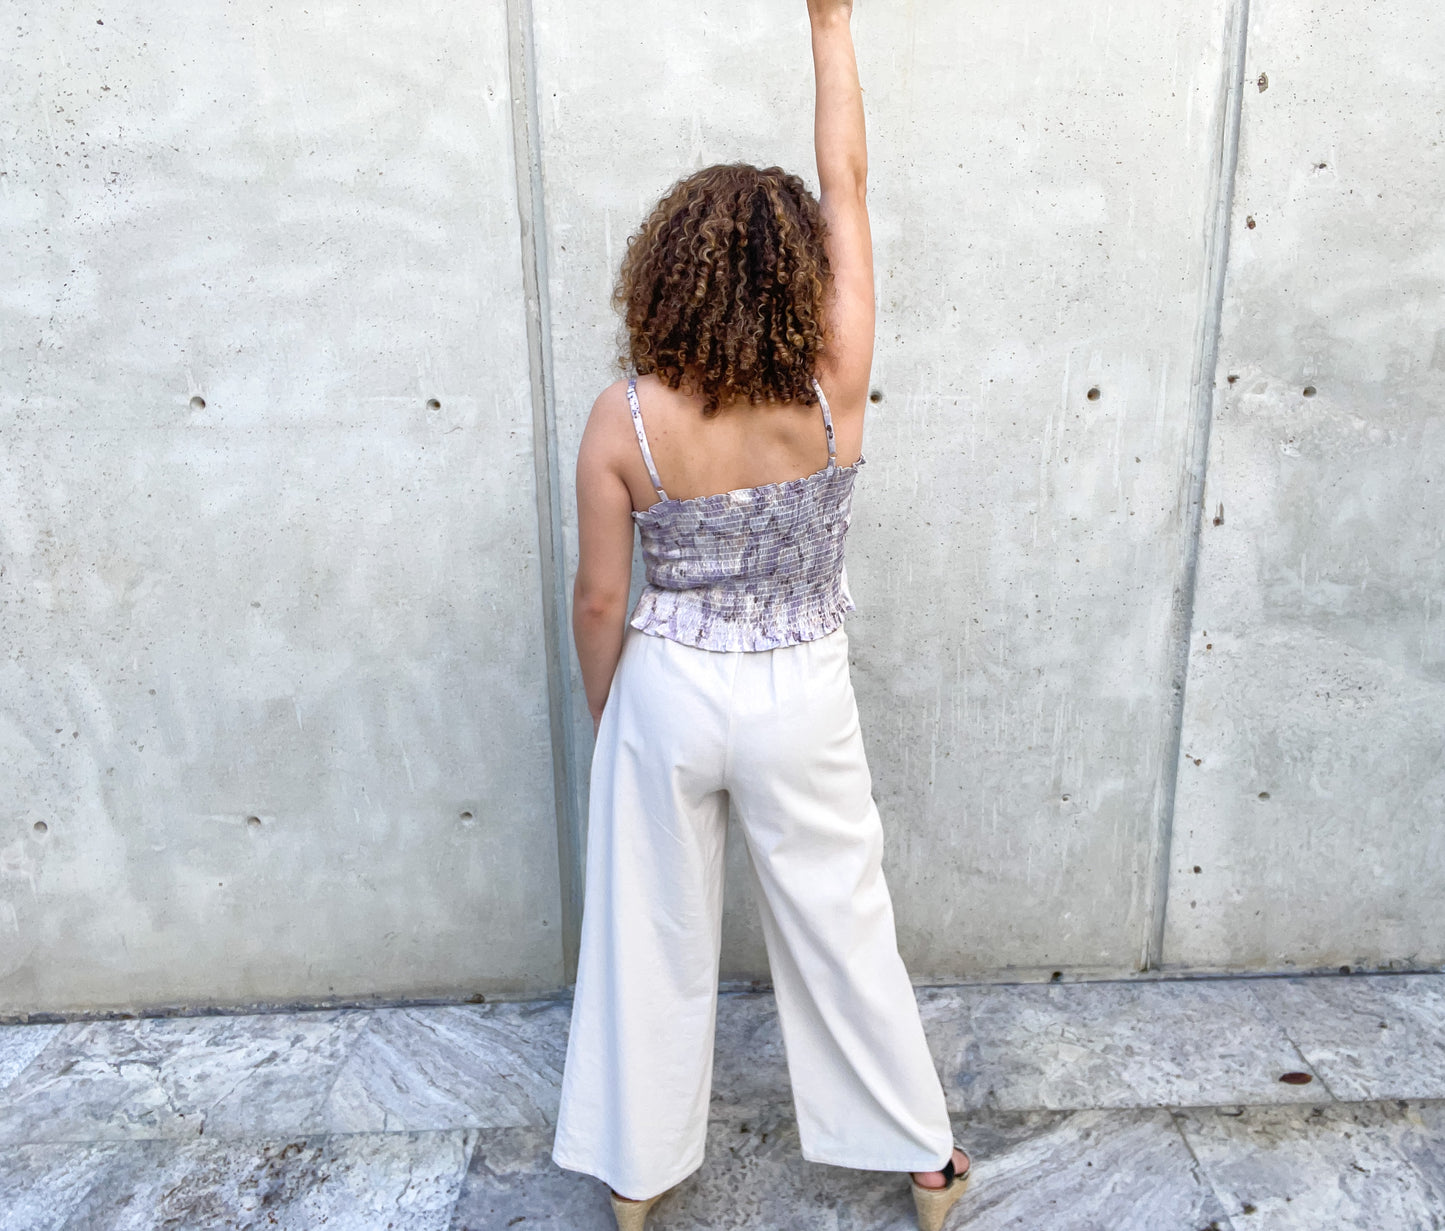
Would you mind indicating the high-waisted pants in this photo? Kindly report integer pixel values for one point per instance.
(777, 730)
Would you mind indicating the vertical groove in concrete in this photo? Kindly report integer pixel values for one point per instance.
(1201, 415)
(531, 211)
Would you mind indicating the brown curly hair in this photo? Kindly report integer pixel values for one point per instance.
(723, 288)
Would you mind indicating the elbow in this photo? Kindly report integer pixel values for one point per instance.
(598, 605)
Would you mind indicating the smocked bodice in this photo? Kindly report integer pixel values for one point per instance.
(751, 569)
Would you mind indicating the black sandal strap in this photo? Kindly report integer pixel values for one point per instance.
(949, 1171)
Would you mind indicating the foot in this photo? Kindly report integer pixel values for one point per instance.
(934, 1179)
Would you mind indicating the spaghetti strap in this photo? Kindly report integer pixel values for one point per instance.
(827, 425)
(642, 436)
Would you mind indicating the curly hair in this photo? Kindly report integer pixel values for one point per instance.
(723, 288)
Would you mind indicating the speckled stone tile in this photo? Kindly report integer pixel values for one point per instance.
(947, 1014)
(750, 1068)
(513, 1182)
(19, 1045)
(271, 1119)
(460, 1066)
(1425, 1147)
(363, 1182)
(41, 1186)
(754, 1175)
(1046, 1171)
(1082, 1045)
(1334, 1166)
(232, 1076)
(1123, 1170)
(1368, 1036)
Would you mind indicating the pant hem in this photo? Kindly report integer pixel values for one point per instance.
(873, 1164)
(601, 1173)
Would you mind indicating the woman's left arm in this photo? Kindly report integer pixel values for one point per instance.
(604, 553)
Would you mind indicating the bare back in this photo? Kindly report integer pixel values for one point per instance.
(741, 446)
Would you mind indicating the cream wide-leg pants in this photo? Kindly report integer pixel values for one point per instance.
(777, 730)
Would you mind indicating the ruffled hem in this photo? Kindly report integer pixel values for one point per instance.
(666, 613)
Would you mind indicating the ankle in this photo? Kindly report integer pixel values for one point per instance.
(935, 1179)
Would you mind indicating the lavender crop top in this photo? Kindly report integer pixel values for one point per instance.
(751, 569)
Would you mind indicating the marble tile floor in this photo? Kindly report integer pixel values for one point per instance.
(1111, 1106)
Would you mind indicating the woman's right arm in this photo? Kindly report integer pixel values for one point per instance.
(842, 149)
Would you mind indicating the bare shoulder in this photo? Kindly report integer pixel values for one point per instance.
(611, 406)
(609, 425)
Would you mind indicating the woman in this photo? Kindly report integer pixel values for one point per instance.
(749, 309)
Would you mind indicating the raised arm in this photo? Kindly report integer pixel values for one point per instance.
(842, 149)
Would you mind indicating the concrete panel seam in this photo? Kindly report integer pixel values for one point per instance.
(1201, 416)
(531, 211)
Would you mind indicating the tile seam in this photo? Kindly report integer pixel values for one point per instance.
(1201, 1170)
(727, 1113)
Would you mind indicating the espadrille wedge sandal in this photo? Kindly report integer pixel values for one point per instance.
(933, 1204)
(632, 1215)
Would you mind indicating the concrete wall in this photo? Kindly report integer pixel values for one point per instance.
(1040, 232)
(313, 601)
(1310, 827)
(333, 598)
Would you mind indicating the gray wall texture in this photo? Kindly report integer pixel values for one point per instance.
(303, 312)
